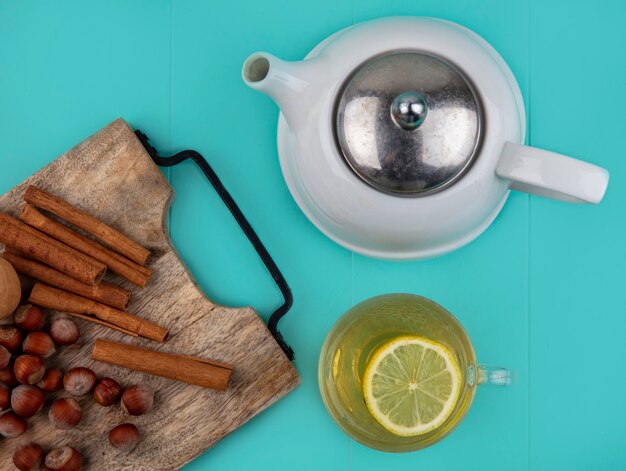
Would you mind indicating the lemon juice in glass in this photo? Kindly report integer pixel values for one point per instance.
(398, 373)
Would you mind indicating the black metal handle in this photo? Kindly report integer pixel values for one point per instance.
(245, 226)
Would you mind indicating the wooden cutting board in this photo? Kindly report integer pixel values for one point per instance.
(111, 175)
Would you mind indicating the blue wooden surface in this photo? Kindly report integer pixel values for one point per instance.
(539, 292)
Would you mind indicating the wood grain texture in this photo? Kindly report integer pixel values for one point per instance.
(110, 175)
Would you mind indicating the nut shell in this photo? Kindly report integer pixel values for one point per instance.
(29, 317)
(124, 437)
(79, 381)
(7, 376)
(5, 357)
(28, 369)
(11, 425)
(5, 396)
(63, 459)
(107, 392)
(137, 400)
(65, 413)
(64, 331)
(52, 380)
(38, 343)
(10, 337)
(10, 289)
(28, 456)
(27, 400)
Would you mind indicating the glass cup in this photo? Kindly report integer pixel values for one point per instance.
(358, 334)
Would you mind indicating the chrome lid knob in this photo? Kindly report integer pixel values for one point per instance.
(409, 110)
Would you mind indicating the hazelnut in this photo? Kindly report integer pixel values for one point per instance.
(5, 396)
(27, 400)
(10, 337)
(28, 369)
(63, 459)
(5, 357)
(52, 380)
(79, 381)
(29, 317)
(10, 289)
(65, 413)
(107, 392)
(124, 437)
(38, 343)
(11, 425)
(27, 456)
(64, 331)
(7, 376)
(137, 400)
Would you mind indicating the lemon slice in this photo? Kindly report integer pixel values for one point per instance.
(411, 385)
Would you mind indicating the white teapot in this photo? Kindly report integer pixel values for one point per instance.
(400, 138)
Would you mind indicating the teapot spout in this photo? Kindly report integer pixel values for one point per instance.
(287, 83)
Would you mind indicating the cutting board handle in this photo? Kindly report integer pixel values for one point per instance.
(245, 226)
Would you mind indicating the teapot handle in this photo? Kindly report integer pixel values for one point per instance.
(555, 176)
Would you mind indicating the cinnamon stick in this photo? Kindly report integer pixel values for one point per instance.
(127, 269)
(95, 320)
(103, 292)
(53, 298)
(177, 367)
(14, 233)
(61, 245)
(112, 237)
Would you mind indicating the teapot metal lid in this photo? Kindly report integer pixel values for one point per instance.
(408, 123)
